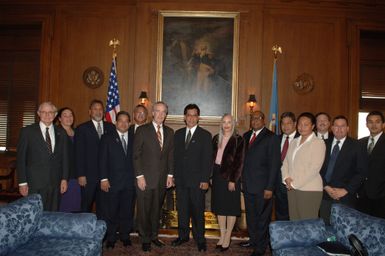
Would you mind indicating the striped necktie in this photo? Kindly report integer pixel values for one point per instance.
(159, 137)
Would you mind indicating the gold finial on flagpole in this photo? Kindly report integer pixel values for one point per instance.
(276, 49)
(114, 43)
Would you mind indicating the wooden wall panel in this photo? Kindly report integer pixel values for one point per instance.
(313, 45)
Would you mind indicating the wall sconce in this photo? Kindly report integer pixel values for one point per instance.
(143, 97)
(251, 102)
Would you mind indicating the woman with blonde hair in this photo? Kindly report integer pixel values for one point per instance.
(228, 149)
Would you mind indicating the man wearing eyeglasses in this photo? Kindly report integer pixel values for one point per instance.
(42, 160)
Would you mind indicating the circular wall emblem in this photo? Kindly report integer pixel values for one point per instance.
(93, 77)
(304, 84)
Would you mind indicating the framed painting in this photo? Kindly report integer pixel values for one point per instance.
(197, 62)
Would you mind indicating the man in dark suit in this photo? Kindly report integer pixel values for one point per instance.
(372, 200)
(193, 162)
(153, 164)
(140, 118)
(343, 169)
(323, 120)
(42, 158)
(87, 138)
(289, 132)
(261, 166)
(117, 180)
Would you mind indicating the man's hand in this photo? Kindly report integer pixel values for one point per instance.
(105, 185)
(267, 194)
(63, 186)
(169, 182)
(141, 183)
(331, 192)
(339, 193)
(204, 185)
(231, 186)
(82, 181)
(288, 182)
(23, 190)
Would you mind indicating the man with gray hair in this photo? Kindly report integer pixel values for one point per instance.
(42, 158)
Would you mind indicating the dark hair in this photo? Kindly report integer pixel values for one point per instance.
(95, 101)
(141, 106)
(375, 113)
(308, 115)
(192, 106)
(260, 112)
(123, 113)
(60, 112)
(341, 117)
(290, 115)
(323, 113)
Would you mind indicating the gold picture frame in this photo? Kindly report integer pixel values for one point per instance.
(197, 62)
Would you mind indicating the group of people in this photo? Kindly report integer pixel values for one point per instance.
(302, 172)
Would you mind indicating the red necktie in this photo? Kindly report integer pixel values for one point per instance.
(284, 148)
(252, 139)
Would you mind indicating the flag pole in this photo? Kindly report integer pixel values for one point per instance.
(273, 125)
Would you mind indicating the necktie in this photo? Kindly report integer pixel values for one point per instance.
(371, 145)
(322, 137)
(284, 148)
(159, 137)
(48, 140)
(188, 138)
(332, 161)
(252, 139)
(124, 143)
(99, 130)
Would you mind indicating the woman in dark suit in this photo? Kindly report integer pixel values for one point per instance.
(228, 149)
(70, 200)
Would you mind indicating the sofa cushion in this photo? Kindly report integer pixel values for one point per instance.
(370, 230)
(18, 221)
(48, 246)
(301, 233)
(296, 251)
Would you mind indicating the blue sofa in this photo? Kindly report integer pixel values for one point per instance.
(26, 230)
(301, 237)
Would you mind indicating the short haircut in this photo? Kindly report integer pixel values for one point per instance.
(123, 113)
(375, 113)
(341, 117)
(95, 101)
(160, 103)
(191, 106)
(49, 103)
(141, 106)
(260, 112)
(290, 115)
(308, 115)
(323, 113)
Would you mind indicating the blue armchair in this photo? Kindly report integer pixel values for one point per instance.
(26, 230)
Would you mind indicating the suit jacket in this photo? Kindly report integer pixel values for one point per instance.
(349, 169)
(305, 168)
(114, 164)
(330, 135)
(262, 162)
(192, 165)
(87, 149)
(375, 179)
(35, 165)
(232, 158)
(149, 160)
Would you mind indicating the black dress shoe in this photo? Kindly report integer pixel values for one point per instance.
(146, 247)
(245, 244)
(158, 242)
(218, 247)
(110, 245)
(179, 241)
(126, 242)
(202, 247)
(223, 249)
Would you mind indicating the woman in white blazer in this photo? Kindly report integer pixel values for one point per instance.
(300, 170)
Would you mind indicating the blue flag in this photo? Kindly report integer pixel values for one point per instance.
(273, 116)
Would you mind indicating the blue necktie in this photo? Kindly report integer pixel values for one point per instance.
(332, 161)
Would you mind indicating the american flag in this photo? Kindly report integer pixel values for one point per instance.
(113, 102)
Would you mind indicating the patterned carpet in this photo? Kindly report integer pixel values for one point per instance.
(187, 249)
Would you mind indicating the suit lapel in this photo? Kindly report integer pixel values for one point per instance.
(39, 135)
(118, 140)
(93, 129)
(343, 152)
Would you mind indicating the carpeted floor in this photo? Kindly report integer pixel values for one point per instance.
(187, 249)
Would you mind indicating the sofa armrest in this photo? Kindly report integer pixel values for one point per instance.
(302, 233)
(70, 225)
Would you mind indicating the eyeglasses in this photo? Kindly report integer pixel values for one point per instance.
(256, 117)
(47, 113)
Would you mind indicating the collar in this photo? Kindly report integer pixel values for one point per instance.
(191, 129)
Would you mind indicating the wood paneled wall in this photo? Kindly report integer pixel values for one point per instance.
(317, 37)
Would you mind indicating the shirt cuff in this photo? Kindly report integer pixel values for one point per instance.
(103, 180)
(140, 176)
(23, 184)
(170, 175)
